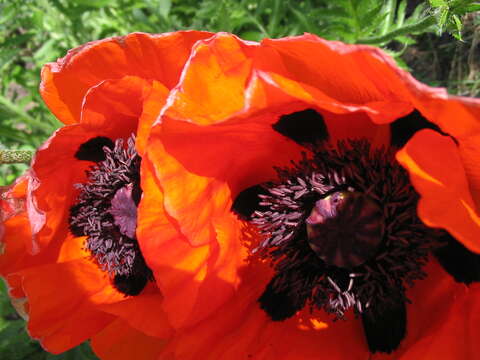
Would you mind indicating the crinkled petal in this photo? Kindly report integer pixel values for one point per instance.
(213, 84)
(155, 57)
(113, 107)
(437, 173)
(152, 105)
(349, 73)
(186, 274)
(459, 117)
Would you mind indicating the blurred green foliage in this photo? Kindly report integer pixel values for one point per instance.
(34, 32)
(448, 14)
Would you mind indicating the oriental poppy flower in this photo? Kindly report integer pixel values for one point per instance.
(353, 188)
(71, 258)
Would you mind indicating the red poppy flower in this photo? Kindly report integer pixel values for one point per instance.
(72, 259)
(352, 188)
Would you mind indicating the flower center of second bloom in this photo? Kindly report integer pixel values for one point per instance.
(341, 231)
(106, 211)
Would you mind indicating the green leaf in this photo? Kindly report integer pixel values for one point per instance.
(458, 23)
(252, 35)
(6, 56)
(13, 134)
(302, 19)
(406, 40)
(164, 7)
(443, 18)
(438, 3)
(471, 8)
(91, 3)
(43, 53)
(371, 14)
(18, 40)
(421, 25)
(401, 13)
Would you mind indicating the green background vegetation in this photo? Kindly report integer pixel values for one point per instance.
(438, 40)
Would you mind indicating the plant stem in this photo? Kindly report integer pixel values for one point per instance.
(15, 156)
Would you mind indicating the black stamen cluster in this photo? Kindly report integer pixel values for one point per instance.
(300, 273)
(91, 215)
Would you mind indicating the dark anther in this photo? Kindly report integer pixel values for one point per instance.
(92, 150)
(304, 127)
(247, 201)
(75, 228)
(385, 327)
(459, 262)
(345, 229)
(279, 304)
(404, 128)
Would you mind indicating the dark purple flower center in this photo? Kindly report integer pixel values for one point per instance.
(344, 229)
(124, 211)
(106, 211)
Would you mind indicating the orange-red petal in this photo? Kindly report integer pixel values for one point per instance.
(120, 341)
(437, 173)
(144, 313)
(443, 344)
(152, 105)
(153, 57)
(213, 84)
(113, 107)
(186, 274)
(63, 301)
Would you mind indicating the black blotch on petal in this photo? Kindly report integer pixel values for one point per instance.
(459, 262)
(248, 201)
(279, 305)
(304, 127)
(131, 284)
(92, 150)
(136, 193)
(385, 329)
(405, 127)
